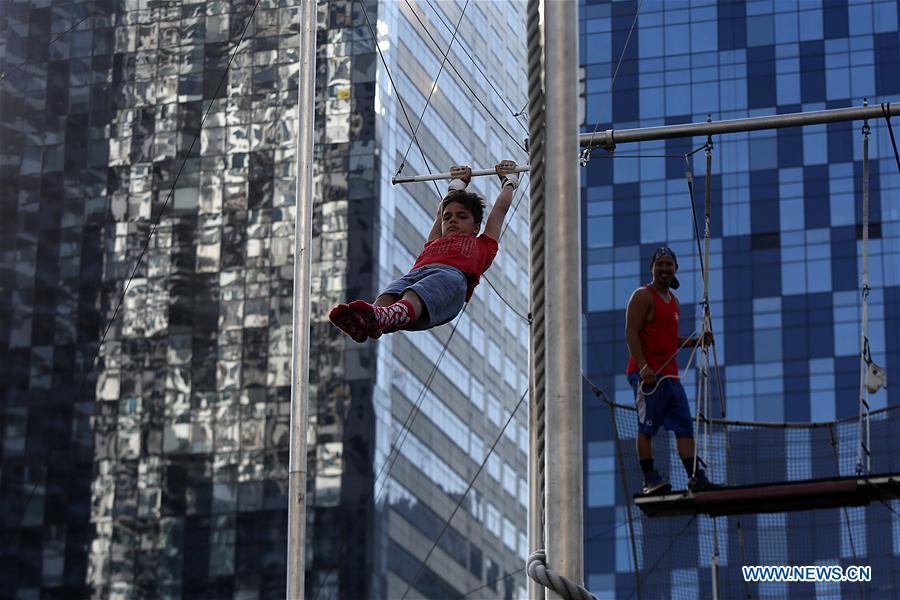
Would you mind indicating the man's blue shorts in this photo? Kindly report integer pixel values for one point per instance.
(667, 406)
(442, 289)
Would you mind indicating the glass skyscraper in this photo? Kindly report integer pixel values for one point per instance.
(786, 246)
(161, 469)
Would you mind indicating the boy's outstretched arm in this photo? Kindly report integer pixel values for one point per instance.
(509, 182)
(460, 174)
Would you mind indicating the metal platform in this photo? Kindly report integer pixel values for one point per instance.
(782, 496)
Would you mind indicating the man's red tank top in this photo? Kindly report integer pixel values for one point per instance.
(659, 337)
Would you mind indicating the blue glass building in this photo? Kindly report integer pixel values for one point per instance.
(786, 237)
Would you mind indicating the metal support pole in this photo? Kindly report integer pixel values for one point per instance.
(306, 105)
(563, 295)
(610, 138)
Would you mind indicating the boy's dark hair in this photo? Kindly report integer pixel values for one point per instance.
(470, 200)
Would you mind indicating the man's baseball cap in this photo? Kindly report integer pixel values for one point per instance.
(666, 251)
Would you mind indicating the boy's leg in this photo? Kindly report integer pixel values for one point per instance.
(385, 299)
(416, 303)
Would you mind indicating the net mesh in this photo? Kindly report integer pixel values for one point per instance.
(674, 553)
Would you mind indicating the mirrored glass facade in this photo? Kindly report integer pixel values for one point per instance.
(786, 247)
(160, 470)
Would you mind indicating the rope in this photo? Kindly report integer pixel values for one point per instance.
(780, 424)
(433, 87)
(863, 456)
(520, 569)
(399, 440)
(620, 458)
(518, 313)
(668, 549)
(480, 70)
(729, 464)
(537, 569)
(886, 109)
(462, 78)
(638, 155)
(846, 514)
(397, 93)
(93, 362)
(90, 14)
(586, 153)
(464, 494)
(406, 427)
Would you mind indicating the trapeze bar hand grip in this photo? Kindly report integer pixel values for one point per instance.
(437, 176)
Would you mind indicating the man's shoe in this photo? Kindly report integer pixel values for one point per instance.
(699, 482)
(654, 483)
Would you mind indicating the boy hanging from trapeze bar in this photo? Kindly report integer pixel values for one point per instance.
(445, 273)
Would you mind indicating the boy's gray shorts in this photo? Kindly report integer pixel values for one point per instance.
(442, 289)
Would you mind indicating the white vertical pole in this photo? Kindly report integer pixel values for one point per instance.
(563, 476)
(306, 110)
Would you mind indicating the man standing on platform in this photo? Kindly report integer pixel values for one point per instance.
(651, 332)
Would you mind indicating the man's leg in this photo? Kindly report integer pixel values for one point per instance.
(697, 480)
(644, 447)
(654, 483)
(685, 446)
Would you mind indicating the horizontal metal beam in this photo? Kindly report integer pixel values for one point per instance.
(436, 176)
(610, 138)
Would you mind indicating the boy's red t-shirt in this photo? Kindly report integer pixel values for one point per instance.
(470, 254)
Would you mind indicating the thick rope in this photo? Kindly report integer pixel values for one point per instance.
(536, 124)
(537, 569)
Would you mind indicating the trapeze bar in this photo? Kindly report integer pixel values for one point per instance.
(610, 138)
(436, 176)
(782, 496)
